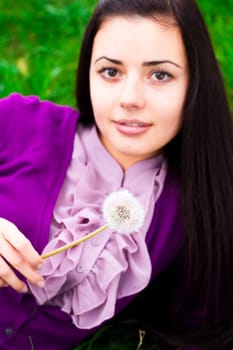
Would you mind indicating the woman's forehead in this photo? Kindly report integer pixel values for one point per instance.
(141, 36)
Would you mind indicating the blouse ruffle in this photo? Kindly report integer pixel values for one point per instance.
(86, 281)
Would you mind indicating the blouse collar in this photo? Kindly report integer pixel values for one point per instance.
(106, 165)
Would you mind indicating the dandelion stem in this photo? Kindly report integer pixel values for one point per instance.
(141, 337)
(74, 243)
(30, 339)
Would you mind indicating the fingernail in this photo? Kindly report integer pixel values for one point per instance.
(24, 289)
(39, 267)
(40, 284)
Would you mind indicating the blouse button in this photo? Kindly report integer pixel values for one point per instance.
(80, 268)
(95, 242)
(9, 331)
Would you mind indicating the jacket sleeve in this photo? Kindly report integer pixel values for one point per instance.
(34, 156)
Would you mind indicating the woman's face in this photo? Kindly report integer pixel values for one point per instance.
(138, 82)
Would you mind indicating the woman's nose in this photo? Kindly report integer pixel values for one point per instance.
(132, 94)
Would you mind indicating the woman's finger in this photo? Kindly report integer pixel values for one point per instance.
(15, 260)
(8, 277)
(3, 283)
(16, 239)
(17, 253)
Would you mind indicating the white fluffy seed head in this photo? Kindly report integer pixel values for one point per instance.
(123, 212)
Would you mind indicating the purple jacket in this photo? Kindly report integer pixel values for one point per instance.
(36, 141)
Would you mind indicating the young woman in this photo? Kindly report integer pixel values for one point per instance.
(153, 119)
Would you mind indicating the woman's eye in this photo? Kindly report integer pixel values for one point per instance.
(160, 76)
(109, 72)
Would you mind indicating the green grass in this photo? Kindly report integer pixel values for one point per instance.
(218, 16)
(123, 336)
(40, 42)
(39, 47)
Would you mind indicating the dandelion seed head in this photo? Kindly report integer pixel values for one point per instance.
(123, 212)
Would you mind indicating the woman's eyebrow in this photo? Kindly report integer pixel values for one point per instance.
(109, 59)
(147, 63)
(155, 63)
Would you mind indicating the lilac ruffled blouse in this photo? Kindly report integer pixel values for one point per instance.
(85, 281)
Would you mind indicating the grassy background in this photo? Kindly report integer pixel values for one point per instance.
(40, 40)
(39, 47)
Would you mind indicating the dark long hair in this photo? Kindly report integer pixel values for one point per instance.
(201, 154)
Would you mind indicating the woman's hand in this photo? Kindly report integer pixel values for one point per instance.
(17, 253)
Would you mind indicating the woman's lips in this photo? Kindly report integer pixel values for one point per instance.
(131, 127)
